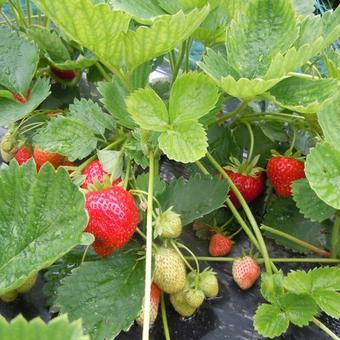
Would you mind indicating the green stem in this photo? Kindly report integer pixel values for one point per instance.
(172, 60)
(141, 233)
(29, 12)
(261, 260)
(293, 239)
(325, 329)
(202, 168)
(187, 55)
(141, 192)
(84, 254)
(235, 233)
(238, 110)
(335, 235)
(148, 259)
(173, 243)
(8, 22)
(181, 245)
(165, 319)
(103, 72)
(127, 174)
(291, 148)
(301, 75)
(179, 61)
(251, 136)
(247, 210)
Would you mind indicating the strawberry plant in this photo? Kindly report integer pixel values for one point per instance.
(87, 205)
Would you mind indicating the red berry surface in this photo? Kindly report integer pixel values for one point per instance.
(41, 157)
(220, 245)
(245, 272)
(94, 172)
(63, 74)
(23, 155)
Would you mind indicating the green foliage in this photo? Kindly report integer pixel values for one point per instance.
(182, 137)
(283, 215)
(11, 110)
(309, 204)
(305, 7)
(323, 173)
(18, 61)
(36, 239)
(75, 135)
(188, 199)
(106, 294)
(58, 328)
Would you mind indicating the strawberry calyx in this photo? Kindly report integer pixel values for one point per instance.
(288, 154)
(245, 168)
(104, 184)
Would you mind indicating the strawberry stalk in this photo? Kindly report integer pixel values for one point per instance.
(180, 245)
(102, 71)
(301, 243)
(164, 318)
(251, 148)
(275, 260)
(325, 329)
(174, 245)
(238, 110)
(335, 235)
(127, 174)
(250, 216)
(148, 259)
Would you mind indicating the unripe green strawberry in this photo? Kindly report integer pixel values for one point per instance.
(169, 274)
(181, 307)
(168, 224)
(194, 297)
(208, 284)
(9, 144)
(28, 285)
(9, 297)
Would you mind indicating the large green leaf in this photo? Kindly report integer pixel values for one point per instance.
(42, 218)
(328, 301)
(305, 7)
(192, 96)
(187, 142)
(58, 328)
(106, 294)
(75, 135)
(304, 95)
(18, 61)
(265, 29)
(187, 200)
(283, 215)
(270, 321)
(309, 204)
(323, 173)
(332, 61)
(329, 120)
(11, 110)
(114, 95)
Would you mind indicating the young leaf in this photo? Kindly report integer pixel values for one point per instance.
(265, 29)
(326, 278)
(300, 309)
(11, 110)
(34, 232)
(186, 142)
(18, 61)
(142, 182)
(148, 110)
(272, 286)
(106, 294)
(192, 96)
(304, 95)
(323, 173)
(283, 215)
(328, 301)
(57, 329)
(114, 95)
(188, 198)
(298, 282)
(309, 204)
(74, 135)
(329, 120)
(270, 321)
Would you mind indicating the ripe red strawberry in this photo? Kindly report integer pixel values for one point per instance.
(94, 172)
(41, 157)
(113, 216)
(283, 171)
(23, 155)
(250, 186)
(63, 74)
(154, 304)
(101, 249)
(220, 245)
(245, 272)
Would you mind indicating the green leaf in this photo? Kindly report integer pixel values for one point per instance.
(272, 286)
(283, 215)
(305, 7)
(332, 62)
(11, 111)
(109, 159)
(326, 278)
(74, 135)
(304, 95)
(33, 230)
(58, 328)
(309, 204)
(265, 29)
(323, 173)
(148, 110)
(106, 294)
(328, 301)
(18, 61)
(186, 142)
(187, 199)
(80, 63)
(300, 309)
(142, 182)
(298, 282)
(114, 95)
(270, 321)
(192, 96)
(329, 120)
